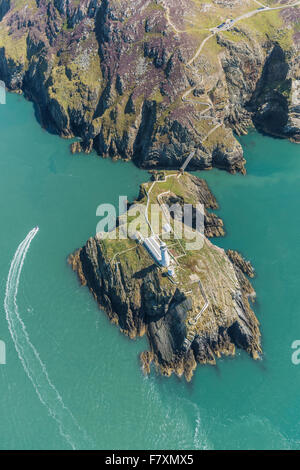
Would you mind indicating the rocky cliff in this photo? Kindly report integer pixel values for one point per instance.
(190, 318)
(147, 80)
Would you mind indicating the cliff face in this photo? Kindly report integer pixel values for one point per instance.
(138, 80)
(192, 318)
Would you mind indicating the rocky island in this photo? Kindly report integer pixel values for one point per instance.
(153, 81)
(192, 316)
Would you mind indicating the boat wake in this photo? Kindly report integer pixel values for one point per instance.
(29, 356)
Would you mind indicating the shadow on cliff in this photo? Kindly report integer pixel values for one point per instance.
(45, 124)
(143, 272)
(269, 102)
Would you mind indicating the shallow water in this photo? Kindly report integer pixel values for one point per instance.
(239, 404)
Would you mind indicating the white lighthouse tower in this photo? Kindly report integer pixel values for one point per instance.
(165, 257)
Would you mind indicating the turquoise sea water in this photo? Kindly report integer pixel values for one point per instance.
(90, 392)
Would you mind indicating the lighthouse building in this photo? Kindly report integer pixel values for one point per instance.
(159, 251)
(165, 257)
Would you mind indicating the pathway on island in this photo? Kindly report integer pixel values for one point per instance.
(228, 26)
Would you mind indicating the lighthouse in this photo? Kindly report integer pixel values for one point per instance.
(157, 249)
(165, 257)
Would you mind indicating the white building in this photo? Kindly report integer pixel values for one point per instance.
(158, 251)
(165, 257)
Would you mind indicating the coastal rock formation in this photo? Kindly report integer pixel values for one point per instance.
(192, 318)
(240, 263)
(198, 190)
(145, 80)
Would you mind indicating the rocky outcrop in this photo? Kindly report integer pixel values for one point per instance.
(272, 101)
(193, 318)
(129, 80)
(240, 263)
(197, 189)
(262, 86)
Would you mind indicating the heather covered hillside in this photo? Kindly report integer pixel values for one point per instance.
(151, 80)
